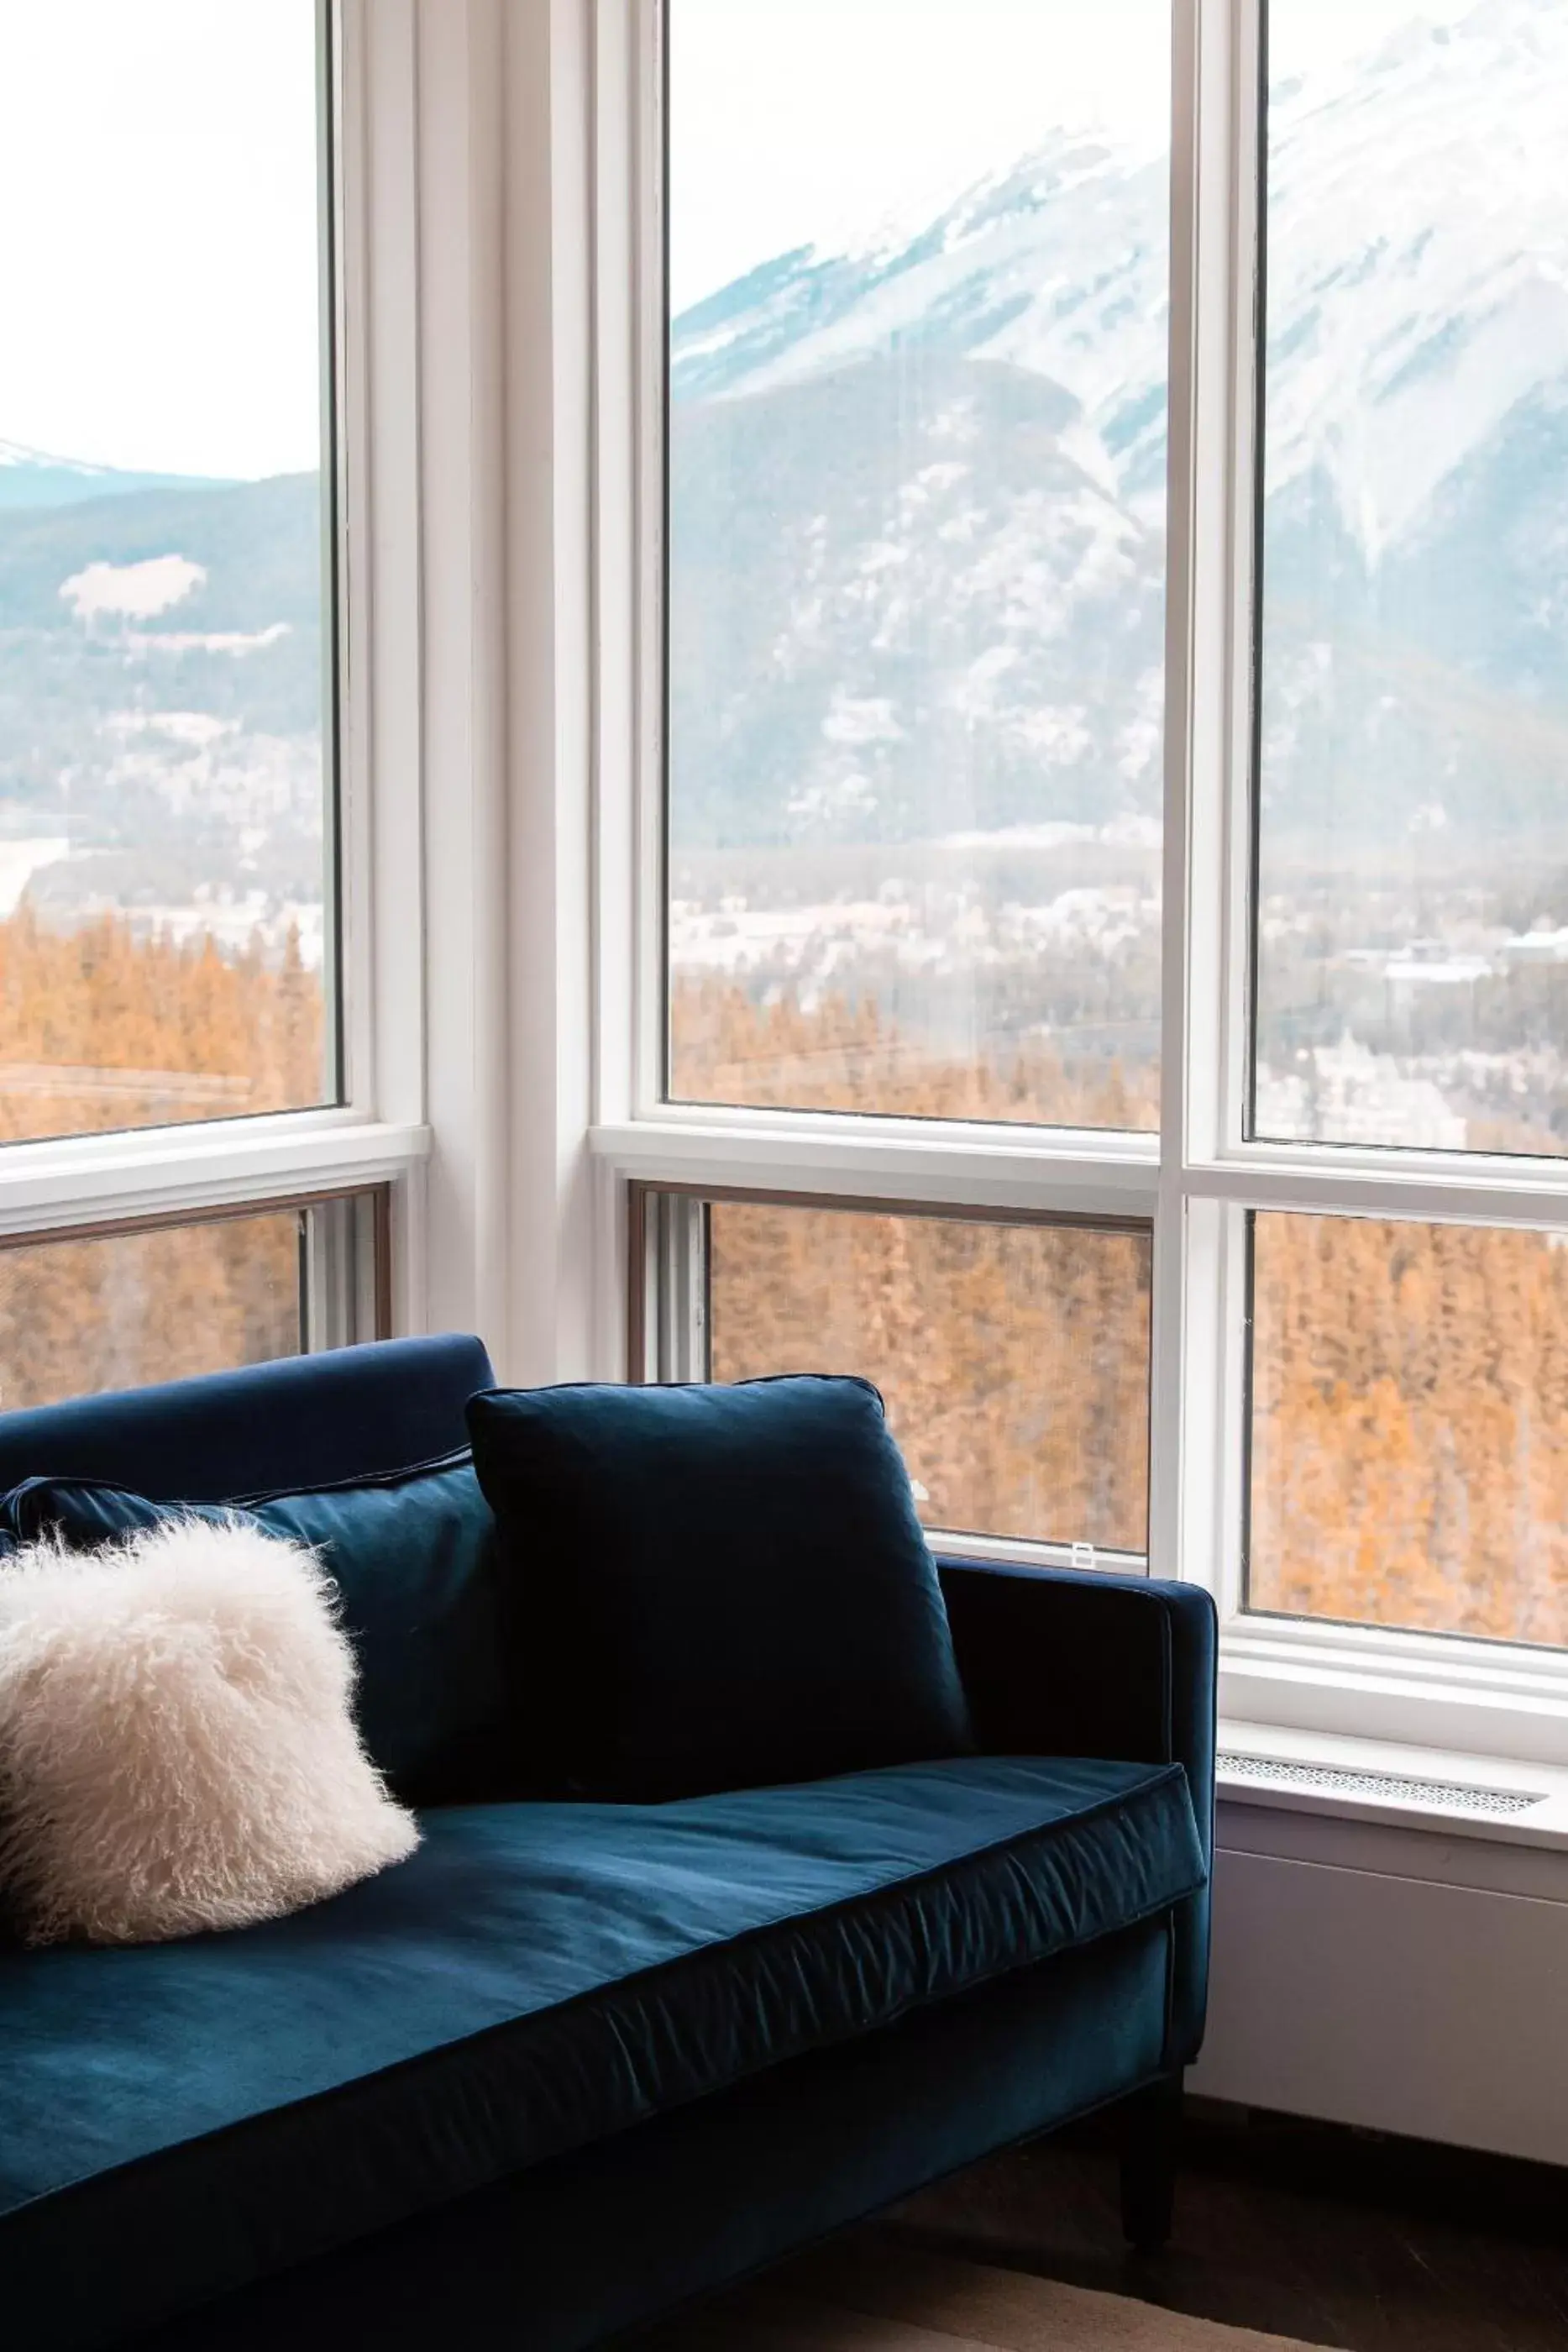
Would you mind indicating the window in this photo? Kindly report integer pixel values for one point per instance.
(197, 1165)
(168, 719)
(1410, 1425)
(917, 387)
(1013, 1357)
(1094, 701)
(158, 1301)
(1410, 780)
(1412, 937)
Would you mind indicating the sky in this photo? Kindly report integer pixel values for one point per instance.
(159, 276)
(825, 121)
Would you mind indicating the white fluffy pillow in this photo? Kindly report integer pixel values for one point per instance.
(176, 1745)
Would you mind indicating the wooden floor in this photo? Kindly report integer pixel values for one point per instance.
(1303, 2230)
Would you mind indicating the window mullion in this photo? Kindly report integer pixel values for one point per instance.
(1199, 1334)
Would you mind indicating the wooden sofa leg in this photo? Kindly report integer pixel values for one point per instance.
(1151, 2130)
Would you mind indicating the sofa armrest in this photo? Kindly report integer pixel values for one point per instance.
(1061, 1665)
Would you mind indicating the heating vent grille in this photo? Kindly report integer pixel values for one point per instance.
(1339, 1780)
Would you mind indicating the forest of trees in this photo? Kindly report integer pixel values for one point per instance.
(101, 1028)
(1410, 1425)
(845, 1056)
(1409, 1438)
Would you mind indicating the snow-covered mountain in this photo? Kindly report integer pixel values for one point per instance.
(917, 492)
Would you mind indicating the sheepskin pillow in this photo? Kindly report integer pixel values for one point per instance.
(177, 1749)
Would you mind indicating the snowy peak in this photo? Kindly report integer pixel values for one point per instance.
(17, 460)
(1411, 309)
(1056, 264)
(17, 453)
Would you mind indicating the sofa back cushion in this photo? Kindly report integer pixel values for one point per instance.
(300, 1420)
(717, 1586)
(414, 1555)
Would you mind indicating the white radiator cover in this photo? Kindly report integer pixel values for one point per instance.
(1397, 1978)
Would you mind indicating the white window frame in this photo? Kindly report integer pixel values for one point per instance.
(1197, 1180)
(376, 1136)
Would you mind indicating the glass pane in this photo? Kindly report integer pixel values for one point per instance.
(165, 719)
(1014, 1359)
(919, 273)
(1413, 918)
(1410, 1427)
(119, 1310)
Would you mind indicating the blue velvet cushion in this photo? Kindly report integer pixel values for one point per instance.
(414, 1554)
(297, 1421)
(718, 1586)
(176, 2119)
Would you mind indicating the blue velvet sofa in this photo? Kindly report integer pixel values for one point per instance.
(573, 2063)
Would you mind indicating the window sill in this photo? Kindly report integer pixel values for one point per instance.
(72, 1180)
(1350, 1764)
(839, 1153)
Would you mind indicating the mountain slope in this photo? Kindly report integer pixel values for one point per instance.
(916, 608)
(30, 478)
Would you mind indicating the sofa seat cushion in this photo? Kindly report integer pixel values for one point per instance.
(178, 2119)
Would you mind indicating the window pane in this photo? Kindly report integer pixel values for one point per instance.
(165, 711)
(119, 1310)
(1413, 919)
(1410, 1427)
(1014, 1359)
(919, 273)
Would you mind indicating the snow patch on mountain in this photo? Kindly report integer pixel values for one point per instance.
(132, 592)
